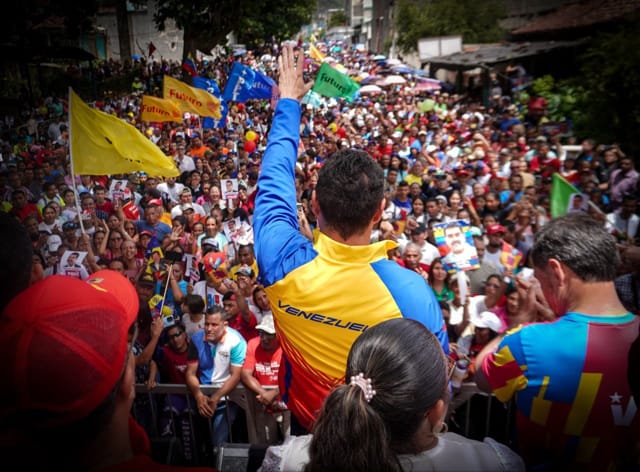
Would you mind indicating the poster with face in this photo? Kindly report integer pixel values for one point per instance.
(229, 188)
(578, 202)
(455, 243)
(118, 190)
(236, 230)
(71, 263)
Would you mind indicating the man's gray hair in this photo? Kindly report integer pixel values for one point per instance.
(581, 243)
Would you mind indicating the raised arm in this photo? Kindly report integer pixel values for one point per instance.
(279, 245)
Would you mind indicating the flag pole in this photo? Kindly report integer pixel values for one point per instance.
(73, 173)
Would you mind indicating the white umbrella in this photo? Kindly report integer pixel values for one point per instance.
(370, 89)
(393, 80)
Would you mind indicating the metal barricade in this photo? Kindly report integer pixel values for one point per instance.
(170, 416)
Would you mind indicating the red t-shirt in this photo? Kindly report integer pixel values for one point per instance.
(172, 365)
(107, 207)
(265, 365)
(246, 329)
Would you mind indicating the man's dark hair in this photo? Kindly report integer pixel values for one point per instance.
(349, 191)
(16, 258)
(217, 309)
(579, 242)
(195, 303)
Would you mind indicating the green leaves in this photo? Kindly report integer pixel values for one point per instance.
(476, 21)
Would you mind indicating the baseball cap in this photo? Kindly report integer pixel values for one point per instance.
(486, 319)
(186, 206)
(84, 326)
(419, 229)
(267, 325)
(495, 228)
(154, 202)
(53, 242)
(185, 190)
(209, 242)
(69, 225)
(146, 279)
(145, 233)
(245, 270)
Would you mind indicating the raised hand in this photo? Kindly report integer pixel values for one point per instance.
(291, 83)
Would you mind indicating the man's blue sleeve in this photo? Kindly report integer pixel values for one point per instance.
(280, 247)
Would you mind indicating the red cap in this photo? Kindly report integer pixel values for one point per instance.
(495, 229)
(64, 344)
(154, 202)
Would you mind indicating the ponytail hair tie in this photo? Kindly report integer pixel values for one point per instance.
(364, 384)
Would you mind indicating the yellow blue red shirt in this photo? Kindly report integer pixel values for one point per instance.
(323, 294)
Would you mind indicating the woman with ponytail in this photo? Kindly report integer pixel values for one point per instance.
(389, 416)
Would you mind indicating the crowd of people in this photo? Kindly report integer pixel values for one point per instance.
(384, 243)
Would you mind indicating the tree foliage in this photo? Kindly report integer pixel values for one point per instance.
(274, 20)
(610, 105)
(476, 21)
(206, 23)
(338, 18)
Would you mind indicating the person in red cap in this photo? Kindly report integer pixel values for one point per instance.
(500, 252)
(69, 371)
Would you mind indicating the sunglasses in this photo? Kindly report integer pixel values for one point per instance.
(175, 335)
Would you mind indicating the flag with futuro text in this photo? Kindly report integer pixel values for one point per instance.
(211, 86)
(103, 144)
(191, 99)
(330, 82)
(245, 84)
(158, 110)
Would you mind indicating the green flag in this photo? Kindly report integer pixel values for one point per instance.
(332, 83)
(561, 192)
(426, 105)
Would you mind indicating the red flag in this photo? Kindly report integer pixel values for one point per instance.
(152, 48)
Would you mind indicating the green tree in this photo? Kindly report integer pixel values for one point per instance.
(273, 19)
(476, 21)
(206, 24)
(338, 18)
(610, 104)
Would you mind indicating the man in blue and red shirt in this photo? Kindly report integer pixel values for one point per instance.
(569, 377)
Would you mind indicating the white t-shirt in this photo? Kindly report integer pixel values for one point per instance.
(428, 253)
(209, 294)
(628, 226)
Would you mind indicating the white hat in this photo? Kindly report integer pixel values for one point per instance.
(486, 319)
(267, 325)
(53, 242)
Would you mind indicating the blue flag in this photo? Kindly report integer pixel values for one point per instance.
(262, 86)
(244, 83)
(211, 86)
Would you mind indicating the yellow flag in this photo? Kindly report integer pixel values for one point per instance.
(103, 144)
(315, 53)
(158, 110)
(191, 99)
